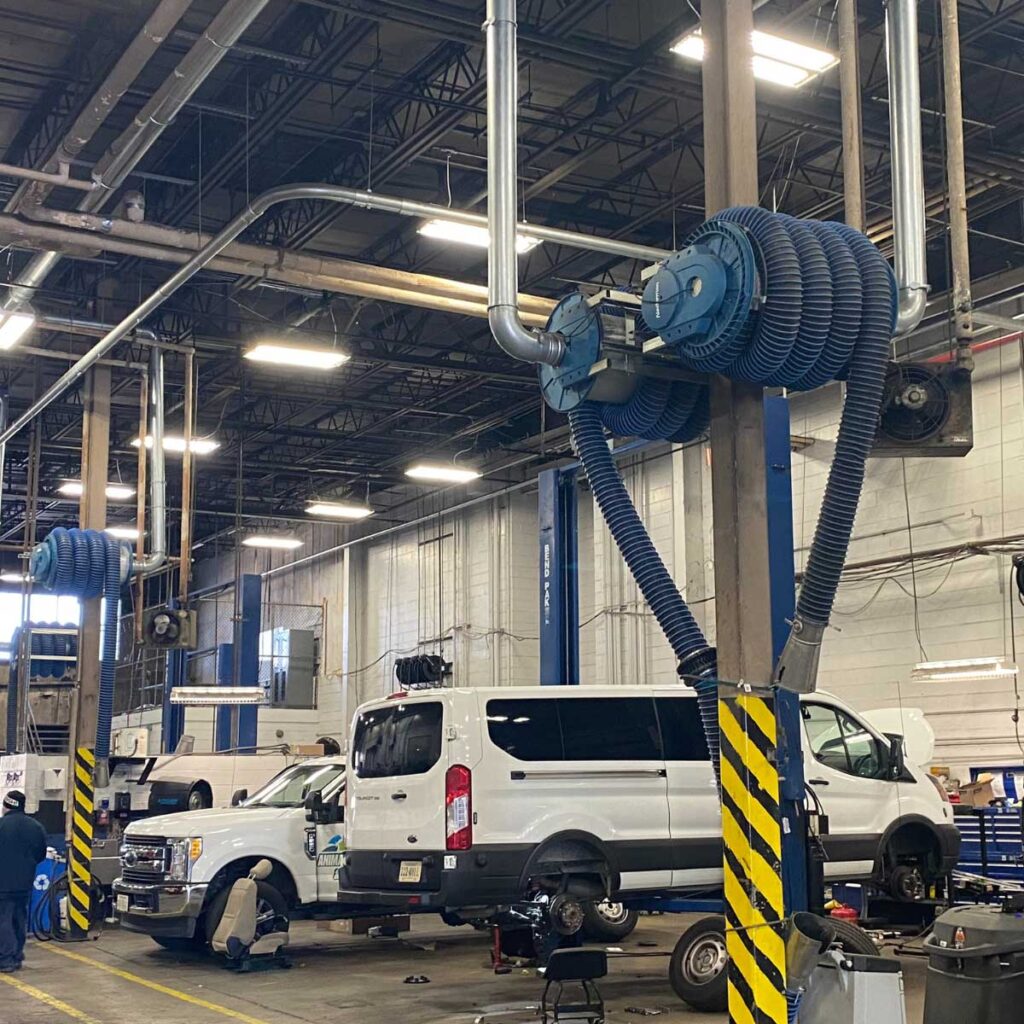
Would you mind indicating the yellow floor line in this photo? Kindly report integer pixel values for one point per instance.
(157, 987)
(52, 1001)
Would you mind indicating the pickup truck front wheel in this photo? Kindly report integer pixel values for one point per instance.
(269, 904)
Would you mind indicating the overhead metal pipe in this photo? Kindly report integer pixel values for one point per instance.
(134, 143)
(956, 176)
(205, 256)
(60, 178)
(532, 345)
(157, 468)
(906, 162)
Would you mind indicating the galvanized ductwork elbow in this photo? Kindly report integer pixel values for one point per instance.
(907, 162)
(519, 341)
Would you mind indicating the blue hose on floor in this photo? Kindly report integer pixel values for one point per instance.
(85, 564)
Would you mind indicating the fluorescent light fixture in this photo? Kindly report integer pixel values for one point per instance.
(338, 510)
(115, 492)
(198, 445)
(470, 234)
(13, 577)
(967, 668)
(441, 474)
(276, 541)
(212, 696)
(776, 59)
(14, 327)
(123, 532)
(302, 357)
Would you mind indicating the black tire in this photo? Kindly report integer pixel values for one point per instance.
(199, 799)
(179, 944)
(608, 921)
(267, 899)
(697, 970)
(853, 939)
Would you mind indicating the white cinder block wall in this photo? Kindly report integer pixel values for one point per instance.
(468, 586)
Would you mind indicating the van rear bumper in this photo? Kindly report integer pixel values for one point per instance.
(482, 876)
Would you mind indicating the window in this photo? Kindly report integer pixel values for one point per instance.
(43, 608)
(576, 729)
(609, 729)
(839, 741)
(403, 739)
(293, 785)
(682, 730)
(526, 729)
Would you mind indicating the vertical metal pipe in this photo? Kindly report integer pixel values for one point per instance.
(956, 178)
(4, 406)
(140, 502)
(849, 96)
(185, 558)
(906, 161)
(518, 340)
(157, 467)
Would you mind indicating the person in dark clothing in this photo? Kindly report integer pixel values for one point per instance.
(22, 847)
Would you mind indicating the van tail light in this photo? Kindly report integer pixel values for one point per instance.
(458, 804)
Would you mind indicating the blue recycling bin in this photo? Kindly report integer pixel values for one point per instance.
(47, 873)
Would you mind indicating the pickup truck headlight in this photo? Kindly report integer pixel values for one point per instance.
(184, 853)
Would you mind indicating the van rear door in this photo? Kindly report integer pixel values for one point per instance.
(399, 760)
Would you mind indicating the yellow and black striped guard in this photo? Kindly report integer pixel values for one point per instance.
(80, 851)
(752, 834)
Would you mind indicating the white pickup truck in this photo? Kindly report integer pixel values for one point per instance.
(176, 869)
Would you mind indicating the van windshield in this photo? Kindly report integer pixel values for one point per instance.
(291, 787)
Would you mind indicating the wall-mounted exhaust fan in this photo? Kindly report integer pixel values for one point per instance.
(926, 411)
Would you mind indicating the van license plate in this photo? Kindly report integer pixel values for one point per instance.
(410, 871)
(122, 904)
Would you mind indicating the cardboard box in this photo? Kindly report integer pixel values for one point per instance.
(979, 793)
(362, 925)
(308, 749)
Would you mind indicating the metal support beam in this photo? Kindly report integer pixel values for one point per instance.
(751, 798)
(559, 578)
(851, 115)
(247, 656)
(224, 717)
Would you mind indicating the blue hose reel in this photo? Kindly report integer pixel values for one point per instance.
(758, 297)
(88, 563)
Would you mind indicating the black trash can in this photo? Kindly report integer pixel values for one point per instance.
(976, 966)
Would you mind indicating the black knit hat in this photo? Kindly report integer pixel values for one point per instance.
(14, 800)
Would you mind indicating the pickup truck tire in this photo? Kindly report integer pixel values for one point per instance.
(268, 901)
(608, 921)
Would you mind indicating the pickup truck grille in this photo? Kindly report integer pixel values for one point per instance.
(144, 859)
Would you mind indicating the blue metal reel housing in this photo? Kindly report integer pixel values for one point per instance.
(567, 385)
(701, 296)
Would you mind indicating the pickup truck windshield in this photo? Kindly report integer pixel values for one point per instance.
(293, 785)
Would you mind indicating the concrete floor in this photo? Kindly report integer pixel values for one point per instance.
(121, 978)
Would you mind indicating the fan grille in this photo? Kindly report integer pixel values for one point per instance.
(917, 404)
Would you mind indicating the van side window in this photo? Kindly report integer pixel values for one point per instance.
(609, 729)
(682, 731)
(841, 742)
(403, 739)
(526, 729)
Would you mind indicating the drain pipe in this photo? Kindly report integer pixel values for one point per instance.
(135, 141)
(157, 468)
(906, 161)
(532, 345)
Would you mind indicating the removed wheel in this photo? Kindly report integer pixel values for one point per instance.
(697, 970)
(608, 921)
(852, 939)
(269, 904)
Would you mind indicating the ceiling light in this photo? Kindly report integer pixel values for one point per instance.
(211, 696)
(13, 327)
(775, 59)
(470, 234)
(13, 577)
(338, 510)
(198, 445)
(123, 532)
(115, 492)
(968, 668)
(443, 474)
(278, 542)
(303, 357)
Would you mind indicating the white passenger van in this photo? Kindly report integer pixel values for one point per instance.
(475, 798)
